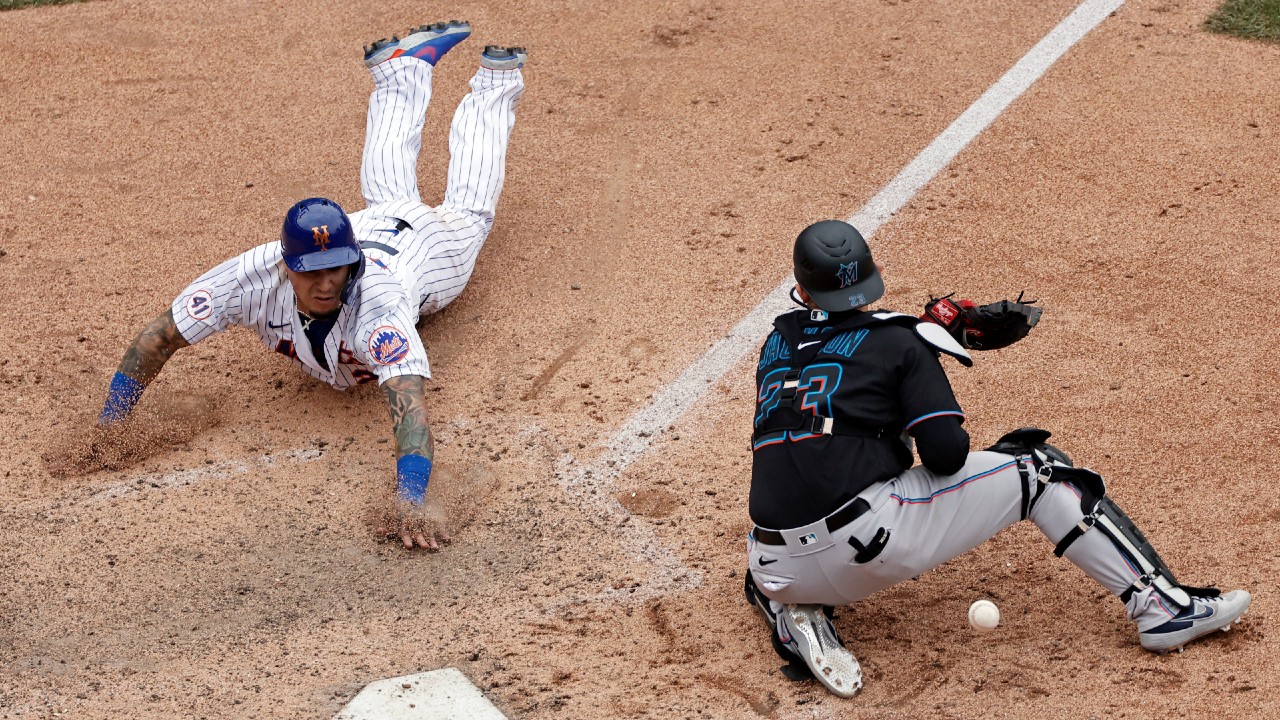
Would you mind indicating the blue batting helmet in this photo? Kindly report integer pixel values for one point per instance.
(317, 235)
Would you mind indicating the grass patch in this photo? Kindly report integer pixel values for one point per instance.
(15, 4)
(1250, 19)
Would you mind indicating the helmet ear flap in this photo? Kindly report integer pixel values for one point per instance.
(353, 279)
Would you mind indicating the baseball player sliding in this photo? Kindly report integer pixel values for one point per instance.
(844, 393)
(339, 295)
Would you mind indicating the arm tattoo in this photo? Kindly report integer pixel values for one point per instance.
(407, 399)
(152, 348)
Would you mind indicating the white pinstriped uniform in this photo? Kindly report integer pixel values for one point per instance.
(411, 271)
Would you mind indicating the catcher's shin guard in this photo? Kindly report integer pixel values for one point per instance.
(1124, 534)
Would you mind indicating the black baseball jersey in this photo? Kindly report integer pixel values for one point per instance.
(874, 376)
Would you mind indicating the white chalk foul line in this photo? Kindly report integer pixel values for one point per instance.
(673, 401)
(191, 476)
(981, 114)
(669, 404)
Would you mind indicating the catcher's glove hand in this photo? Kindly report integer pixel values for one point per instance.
(984, 327)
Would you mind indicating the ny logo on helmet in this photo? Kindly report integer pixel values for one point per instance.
(321, 235)
(847, 274)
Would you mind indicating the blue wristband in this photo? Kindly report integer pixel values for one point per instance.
(123, 394)
(412, 473)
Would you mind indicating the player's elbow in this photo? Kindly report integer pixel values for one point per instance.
(946, 462)
(943, 445)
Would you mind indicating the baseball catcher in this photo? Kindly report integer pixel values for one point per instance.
(846, 398)
(339, 295)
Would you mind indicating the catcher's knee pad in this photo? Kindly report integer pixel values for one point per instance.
(1029, 440)
(1037, 461)
(1108, 518)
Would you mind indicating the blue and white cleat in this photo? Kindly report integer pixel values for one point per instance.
(1205, 615)
(381, 51)
(806, 631)
(431, 42)
(428, 43)
(496, 57)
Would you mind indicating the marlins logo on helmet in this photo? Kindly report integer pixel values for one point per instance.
(847, 274)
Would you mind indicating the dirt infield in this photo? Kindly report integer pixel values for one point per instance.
(664, 157)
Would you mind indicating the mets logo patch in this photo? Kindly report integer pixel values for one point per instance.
(388, 346)
(200, 305)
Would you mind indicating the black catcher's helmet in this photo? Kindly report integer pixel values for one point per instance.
(833, 264)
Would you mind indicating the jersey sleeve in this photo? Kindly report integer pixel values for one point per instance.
(925, 390)
(390, 346)
(210, 304)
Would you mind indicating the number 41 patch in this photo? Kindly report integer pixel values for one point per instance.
(200, 305)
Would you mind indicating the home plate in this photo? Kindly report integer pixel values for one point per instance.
(444, 694)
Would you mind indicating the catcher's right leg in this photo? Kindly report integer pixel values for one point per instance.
(1092, 532)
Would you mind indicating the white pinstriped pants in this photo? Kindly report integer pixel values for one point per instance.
(438, 251)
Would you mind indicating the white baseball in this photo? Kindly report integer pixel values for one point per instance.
(984, 615)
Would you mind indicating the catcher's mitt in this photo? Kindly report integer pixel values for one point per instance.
(984, 327)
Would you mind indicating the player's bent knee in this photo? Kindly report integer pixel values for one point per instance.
(1038, 462)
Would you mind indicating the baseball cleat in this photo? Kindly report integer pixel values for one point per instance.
(431, 42)
(1205, 615)
(806, 631)
(381, 51)
(496, 57)
(427, 42)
